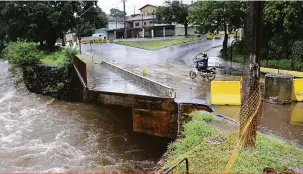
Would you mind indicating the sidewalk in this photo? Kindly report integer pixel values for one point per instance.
(154, 38)
(272, 70)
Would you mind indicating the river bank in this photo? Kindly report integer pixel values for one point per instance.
(43, 134)
(208, 142)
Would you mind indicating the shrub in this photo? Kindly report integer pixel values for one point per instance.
(297, 50)
(238, 48)
(22, 53)
(276, 48)
(70, 54)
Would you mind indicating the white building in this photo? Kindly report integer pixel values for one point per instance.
(180, 30)
(115, 25)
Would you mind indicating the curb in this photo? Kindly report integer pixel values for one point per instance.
(163, 89)
(207, 50)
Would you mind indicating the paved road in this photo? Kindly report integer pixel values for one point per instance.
(169, 66)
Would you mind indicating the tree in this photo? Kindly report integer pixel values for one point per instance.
(251, 71)
(174, 11)
(89, 19)
(46, 21)
(14, 20)
(217, 15)
(283, 23)
(50, 20)
(117, 13)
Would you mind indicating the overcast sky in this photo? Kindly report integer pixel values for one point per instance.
(106, 5)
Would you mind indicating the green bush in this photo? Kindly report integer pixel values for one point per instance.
(22, 53)
(297, 50)
(62, 57)
(276, 48)
(70, 54)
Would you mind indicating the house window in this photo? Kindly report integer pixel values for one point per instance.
(144, 23)
(150, 22)
(137, 24)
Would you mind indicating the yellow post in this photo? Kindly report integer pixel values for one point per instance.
(144, 72)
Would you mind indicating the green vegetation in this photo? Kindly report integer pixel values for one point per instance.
(213, 16)
(157, 44)
(53, 58)
(174, 11)
(294, 63)
(23, 54)
(45, 22)
(281, 38)
(215, 148)
(284, 64)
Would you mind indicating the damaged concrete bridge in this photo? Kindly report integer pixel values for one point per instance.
(154, 109)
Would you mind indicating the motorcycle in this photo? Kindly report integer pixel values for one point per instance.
(209, 72)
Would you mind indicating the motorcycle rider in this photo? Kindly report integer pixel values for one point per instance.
(202, 64)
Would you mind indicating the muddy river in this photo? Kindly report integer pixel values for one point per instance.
(41, 134)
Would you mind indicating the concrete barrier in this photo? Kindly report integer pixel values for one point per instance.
(225, 93)
(163, 89)
(209, 36)
(218, 36)
(297, 91)
(297, 114)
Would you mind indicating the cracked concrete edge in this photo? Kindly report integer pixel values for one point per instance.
(161, 88)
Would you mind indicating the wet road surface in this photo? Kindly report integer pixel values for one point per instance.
(169, 66)
(107, 80)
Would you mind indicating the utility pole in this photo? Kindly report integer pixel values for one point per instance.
(134, 9)
(125, 33)
(251, 72)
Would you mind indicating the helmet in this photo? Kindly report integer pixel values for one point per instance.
(204, 54)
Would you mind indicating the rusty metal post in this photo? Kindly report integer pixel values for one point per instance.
(173, 167)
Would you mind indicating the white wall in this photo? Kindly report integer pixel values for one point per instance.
(112, 25)
(180, 30)
(71, 36)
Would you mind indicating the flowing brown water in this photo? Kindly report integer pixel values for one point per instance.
(41, 134)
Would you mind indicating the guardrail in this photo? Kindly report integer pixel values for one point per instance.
(81, 71)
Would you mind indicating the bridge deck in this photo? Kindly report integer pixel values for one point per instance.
(100, 78)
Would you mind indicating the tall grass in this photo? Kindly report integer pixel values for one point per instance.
(157, 44)
(213, 157)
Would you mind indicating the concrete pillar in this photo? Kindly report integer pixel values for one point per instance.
(143, 31)
(152, 32)
(278, 88)
(163, 31)
(115, 34)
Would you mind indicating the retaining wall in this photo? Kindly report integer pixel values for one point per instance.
(58, 82)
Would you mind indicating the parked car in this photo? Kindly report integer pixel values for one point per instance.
(99, 35)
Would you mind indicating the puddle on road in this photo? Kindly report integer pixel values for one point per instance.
(285, 121)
